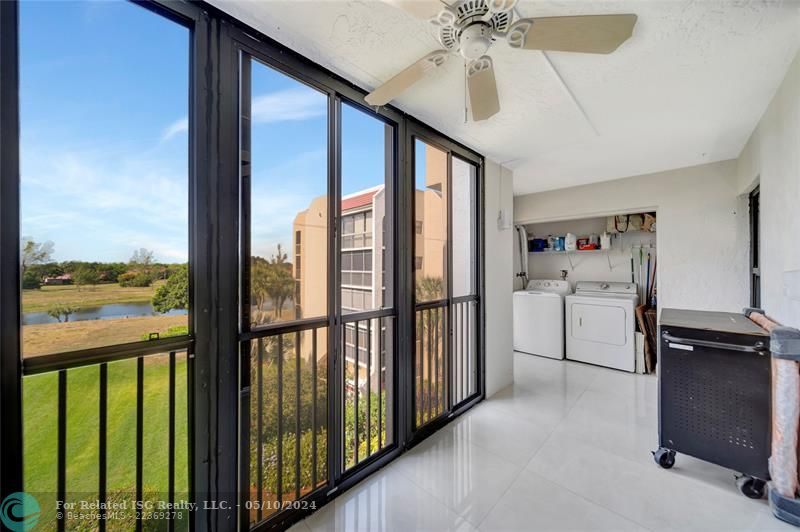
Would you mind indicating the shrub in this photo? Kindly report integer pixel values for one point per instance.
(177, 330)
(174, 294)
(269, 473)
(135, 280)
(86, 275)
(31, 281)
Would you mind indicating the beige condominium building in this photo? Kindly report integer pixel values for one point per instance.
(364, 261)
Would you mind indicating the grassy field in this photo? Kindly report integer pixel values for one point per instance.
(59, 337)
(41, 429)
(93, 296)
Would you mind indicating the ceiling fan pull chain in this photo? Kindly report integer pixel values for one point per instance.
(466, 90)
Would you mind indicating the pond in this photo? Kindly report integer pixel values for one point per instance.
(104, 312)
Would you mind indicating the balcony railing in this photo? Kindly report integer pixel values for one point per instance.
(287, 400)
(431, 391)
(464, 378)
(367, 421)
(97, 390)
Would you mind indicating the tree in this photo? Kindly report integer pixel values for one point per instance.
(174, 294)
(86, 275)
(48, 269)
(280, 282)
(429, 288)
(259, 281)
(141, 263)
(58, 310)
(111, 271)
(142, 259)
(31, 281)
(35, 253)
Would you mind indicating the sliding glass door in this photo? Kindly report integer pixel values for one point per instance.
(318, 313)
(446, 281)
(286, 322)
(465, 301)
(431, 281)
(366, 283)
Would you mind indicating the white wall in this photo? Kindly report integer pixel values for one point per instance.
(499, 276)
(614, 265)
(771, 158)
(702, 228)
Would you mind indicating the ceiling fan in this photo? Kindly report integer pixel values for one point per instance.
(470, 28)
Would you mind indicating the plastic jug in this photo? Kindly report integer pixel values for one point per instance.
(605, 241)
(570, 242)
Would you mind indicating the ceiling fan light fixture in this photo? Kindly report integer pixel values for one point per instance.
(475, 40)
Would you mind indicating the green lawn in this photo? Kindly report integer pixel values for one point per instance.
(41, 430)
(92, 296)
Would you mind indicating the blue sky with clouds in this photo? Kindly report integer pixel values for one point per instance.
(104, 144)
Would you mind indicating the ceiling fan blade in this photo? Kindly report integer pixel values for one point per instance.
(410, 75)
(592, 34)
(482, 86)
(424, 9)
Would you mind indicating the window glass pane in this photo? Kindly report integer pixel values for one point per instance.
(104, 90)
(430, 211)
(463, 219)
(359, 219)
(348, 225)
(367, 162)
(288, 197)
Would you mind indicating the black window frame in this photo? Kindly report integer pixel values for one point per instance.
(418, 131)
(754, 200)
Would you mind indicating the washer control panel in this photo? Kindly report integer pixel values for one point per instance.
(608, 287)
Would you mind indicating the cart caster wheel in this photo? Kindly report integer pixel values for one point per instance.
(753, 488)
(664, 457)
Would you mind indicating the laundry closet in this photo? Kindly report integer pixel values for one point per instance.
(587, 290)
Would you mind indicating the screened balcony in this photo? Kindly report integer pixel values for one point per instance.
(231, 289)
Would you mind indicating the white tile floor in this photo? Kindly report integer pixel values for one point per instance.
(567, 447)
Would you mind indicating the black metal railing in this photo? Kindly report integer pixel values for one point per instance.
(430, 362)
(73, 417)
(367, 349)
(286, 394)
(464, 355)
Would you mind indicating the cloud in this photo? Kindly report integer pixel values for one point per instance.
(291, 104)
(298, 103)
(179, 126)
(97, 206)
(274, 208)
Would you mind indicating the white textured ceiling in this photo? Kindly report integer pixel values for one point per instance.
(688, 88)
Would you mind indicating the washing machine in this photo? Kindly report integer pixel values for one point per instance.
(601, 322)
(539, 318)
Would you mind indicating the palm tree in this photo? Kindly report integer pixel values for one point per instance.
(429, 288)
(280, 282)
(259, 274)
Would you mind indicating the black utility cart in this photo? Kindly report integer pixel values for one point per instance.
(714, 393)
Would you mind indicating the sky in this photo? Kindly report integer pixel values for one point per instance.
(104, 136)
